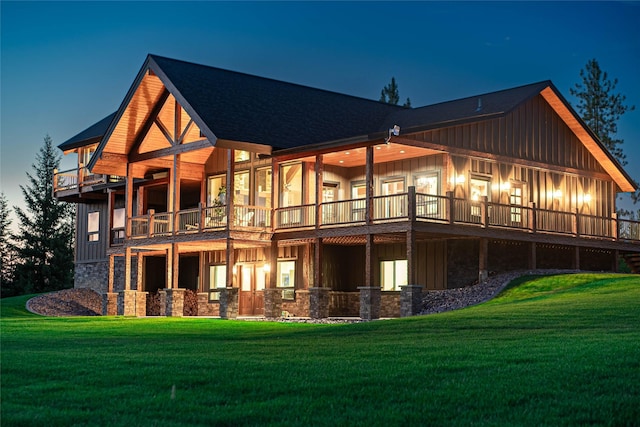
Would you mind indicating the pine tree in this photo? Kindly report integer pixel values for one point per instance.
(601, 107)
(45, 237)
(7, 257)
(391, 95)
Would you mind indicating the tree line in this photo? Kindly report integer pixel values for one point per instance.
(39, 256)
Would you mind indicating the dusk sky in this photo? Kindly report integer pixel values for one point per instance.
(66, 65)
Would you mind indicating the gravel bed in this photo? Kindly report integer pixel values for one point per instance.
(68, 302)
(457, 298)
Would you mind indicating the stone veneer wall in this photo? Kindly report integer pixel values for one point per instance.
(390, 304)
(92, 275)
(95, 275)
(206, 308)
(300, 306)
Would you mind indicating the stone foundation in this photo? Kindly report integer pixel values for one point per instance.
(410, 300)
(318, 303)
(206, 308)
(298, 307)
(127, 303)
(92, 275)
(344, 304)
(174, 302)
(141, 303)
(390, 304)
(272, 303)
(370, 302)
(110, 304)
(229, 303)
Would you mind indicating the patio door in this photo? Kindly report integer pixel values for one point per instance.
(392, 207)
(252, 282)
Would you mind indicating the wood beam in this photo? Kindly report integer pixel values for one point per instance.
(369, 185)
(317, 263)
(146, 126)
(169, 151)
(164, 131)
(368, 262)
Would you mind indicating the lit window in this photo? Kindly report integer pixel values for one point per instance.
(287, 278)
(93, 226)
(217, 280)
(393, 274)
(241, 156)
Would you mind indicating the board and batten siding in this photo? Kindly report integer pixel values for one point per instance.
(87, 251)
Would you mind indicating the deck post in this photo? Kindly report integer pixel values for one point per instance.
(484, 211)
(150, 222)
(614, 227)
(231, 173)
(451, 203)
(614, 261)
(128, 200)
(319, 185)
(369, 185)
(576, 258)
(139, 271)
(532, 217)
(411, 238)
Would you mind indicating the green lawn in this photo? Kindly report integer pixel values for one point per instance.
(562, 350)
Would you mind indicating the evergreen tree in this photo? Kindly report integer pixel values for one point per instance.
(391, 95)
(7, 257)
(45, 238)
(601, 107)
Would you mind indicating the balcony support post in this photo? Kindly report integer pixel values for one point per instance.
(129, 199)
(452, 204)
(139, 271)
(231, 173)
(411, 237)
(127, 269)
(369, 186)
(319, 185)
(368, 263)
(576, 258)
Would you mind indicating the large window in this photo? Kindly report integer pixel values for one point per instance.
(358, 206)
(478, 190)
(93, 226)
(217, 281)
(393, 274)
(118, 225)
(217, 190)
(287, 278)
(241, 184)
(391, 207)
(241, 156)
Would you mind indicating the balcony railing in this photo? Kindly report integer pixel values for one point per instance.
(76, 179)
(392, 208)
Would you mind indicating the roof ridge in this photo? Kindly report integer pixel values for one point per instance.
(255, 76)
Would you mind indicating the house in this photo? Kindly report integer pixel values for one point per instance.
(264, 197)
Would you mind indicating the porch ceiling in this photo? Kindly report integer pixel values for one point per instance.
(382, 153)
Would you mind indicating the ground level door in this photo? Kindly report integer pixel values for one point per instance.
(252, 281)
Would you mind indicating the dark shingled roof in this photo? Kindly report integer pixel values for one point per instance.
(462, 110)
(242, 107)
(91, 135)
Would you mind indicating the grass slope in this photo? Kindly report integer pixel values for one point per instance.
(561, 350)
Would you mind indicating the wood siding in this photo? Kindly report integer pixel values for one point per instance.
(87, 251)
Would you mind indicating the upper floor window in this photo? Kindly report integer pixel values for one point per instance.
(93, 226)
(241, 156)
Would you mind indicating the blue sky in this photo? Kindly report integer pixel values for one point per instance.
(66, 65)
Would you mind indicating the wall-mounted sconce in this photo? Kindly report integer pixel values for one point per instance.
(266, 267)
(460, 179)
(557, 194)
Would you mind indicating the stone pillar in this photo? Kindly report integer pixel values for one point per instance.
(410, 300)
(163, 302)
(318, 303)
(229, 303)
(127, 303)
(174, 302)
(110, 304)
(370, 302)
(272, 302)
(141, 303)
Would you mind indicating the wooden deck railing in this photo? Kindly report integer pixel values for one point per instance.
(397, 207)
(76, 179)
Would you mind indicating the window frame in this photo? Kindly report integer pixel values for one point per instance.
(93, 235)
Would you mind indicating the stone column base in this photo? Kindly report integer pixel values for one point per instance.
(410, 300)
(318, 303)
(272, 303)
(127, 303)
(110, 304)
(370, 302)
(229, 303)
(174, 302)
(141, 303)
